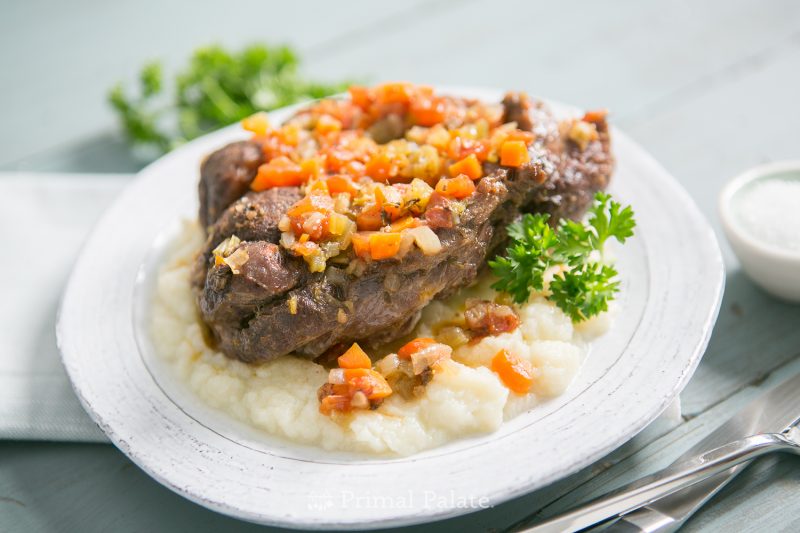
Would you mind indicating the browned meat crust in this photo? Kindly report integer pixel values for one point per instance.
(276, 306)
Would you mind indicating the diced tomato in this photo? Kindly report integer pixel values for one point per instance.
(516, 373)
(438, 213)
(367, 381)
(514, 154)
(334, 402)
(279, 172)
(370, 218)
(404, 223)
(414, 346)
(469, 166)
(354, 357)
(384, 245)
(459, 187)
(427, 110)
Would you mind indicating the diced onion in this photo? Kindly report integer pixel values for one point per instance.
(388, 364)
(426, 239)
(336, 376)
(236, 260)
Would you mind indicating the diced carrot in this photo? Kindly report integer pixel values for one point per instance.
(289, 134)
(311, 168)
(414, 346)
(521, 135)
(257, 124)
(459, 187)
(318, 187)
(380, 167)
(368, 381)
(337, 158)
(404, 223)
(355, 169)
(311, 202)
(370, 218)
(480, 148)
(361, 96)
(338, 184)
(469, 166)
(279, 172)
(354, 357)
(515, 373)
(384, 245)
(427, 110)
(361, 243)
(390, 200)
(305, 248)
(327, 124)
(393, 93)
(597, 115)
(514, 154)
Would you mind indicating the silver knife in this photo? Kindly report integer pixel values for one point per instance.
(772, 412)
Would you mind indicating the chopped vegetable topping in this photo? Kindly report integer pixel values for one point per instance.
(582, 284)
(459, 187)
(354, 385)
(516, 373)
(354, 357)
(380, 158)
(488, 318)
(514, 154)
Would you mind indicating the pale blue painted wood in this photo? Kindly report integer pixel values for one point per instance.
(709, 88)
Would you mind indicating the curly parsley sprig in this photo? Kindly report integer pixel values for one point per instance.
(585, 283)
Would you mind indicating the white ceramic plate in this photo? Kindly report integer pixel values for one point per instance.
(672, 285)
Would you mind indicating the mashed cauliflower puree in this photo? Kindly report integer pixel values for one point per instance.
(280, 397)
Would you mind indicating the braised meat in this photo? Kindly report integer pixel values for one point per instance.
(274, 304)
(225, 176)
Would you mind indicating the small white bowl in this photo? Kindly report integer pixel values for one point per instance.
(775, 269)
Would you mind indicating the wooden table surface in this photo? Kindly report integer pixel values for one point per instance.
(709, 87)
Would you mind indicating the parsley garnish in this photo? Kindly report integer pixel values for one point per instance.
(215, 89)
(585, 284)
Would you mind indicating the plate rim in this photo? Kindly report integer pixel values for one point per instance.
(64, 338)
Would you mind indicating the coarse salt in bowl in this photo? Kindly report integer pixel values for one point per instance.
(760, 212)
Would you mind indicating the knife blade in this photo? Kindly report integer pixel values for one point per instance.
(772, 412)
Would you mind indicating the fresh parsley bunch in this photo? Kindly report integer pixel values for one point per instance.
(585, 284)
(217, 88)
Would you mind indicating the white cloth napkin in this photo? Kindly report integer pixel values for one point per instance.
(44, 219)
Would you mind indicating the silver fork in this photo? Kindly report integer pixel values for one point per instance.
(671, 480)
